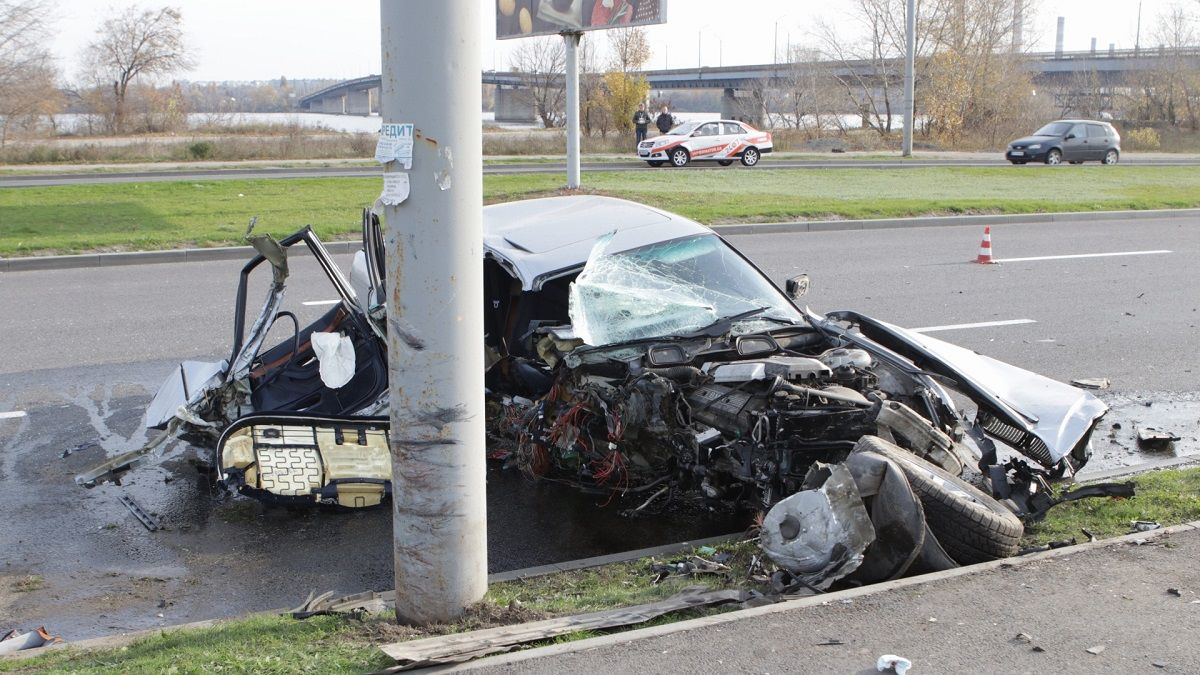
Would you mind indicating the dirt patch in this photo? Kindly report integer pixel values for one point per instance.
(383, 629)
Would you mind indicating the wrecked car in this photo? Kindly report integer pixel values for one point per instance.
(636, 353)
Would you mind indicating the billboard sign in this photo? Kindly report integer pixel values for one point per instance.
(526, 18)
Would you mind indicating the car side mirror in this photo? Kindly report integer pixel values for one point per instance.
(696, 132)
(1069, 137)
(797, 287)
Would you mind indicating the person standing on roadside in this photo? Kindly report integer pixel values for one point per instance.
(665, 121)
(641, 121)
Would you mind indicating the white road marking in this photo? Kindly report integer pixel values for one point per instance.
(1079, 255)
(317, 303)
(12, 415)
(982, 324)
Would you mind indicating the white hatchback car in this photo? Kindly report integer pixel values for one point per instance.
(721, 141)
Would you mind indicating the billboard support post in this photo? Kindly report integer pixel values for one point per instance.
(572, 43)
(432, 152)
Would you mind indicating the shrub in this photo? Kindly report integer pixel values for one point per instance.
(1143, 139)
(200, 150)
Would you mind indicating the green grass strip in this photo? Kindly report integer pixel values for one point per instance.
(151, 216)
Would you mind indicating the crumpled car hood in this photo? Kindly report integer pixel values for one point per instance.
(1058, 415)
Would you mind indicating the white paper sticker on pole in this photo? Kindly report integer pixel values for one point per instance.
(395, 188)
(395, 144)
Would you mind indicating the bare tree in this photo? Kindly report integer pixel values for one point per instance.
(27, 72)
(629, 48)
(1171, 92)
(137, 43)
(807, 99)
(544, 60)
(871, 72)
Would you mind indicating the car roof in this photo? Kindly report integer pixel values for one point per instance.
(1083, 121)
(539, 239)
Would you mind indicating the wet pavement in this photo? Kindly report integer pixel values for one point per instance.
(216, 555)
(219, 554)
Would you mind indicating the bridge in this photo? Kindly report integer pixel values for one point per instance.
(360, 96)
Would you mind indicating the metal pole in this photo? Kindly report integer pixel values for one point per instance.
(1137, 40)
(572, 40)
(775, 59)
(434, 239)
(699, 36)
(910, 55)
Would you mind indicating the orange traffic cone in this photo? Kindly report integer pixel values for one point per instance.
(985, 248)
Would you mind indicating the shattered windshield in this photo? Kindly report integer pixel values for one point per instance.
(674, 287)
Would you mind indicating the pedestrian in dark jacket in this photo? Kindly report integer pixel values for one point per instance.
(641, 121)
(665, 121)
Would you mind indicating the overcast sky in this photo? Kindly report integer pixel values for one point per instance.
(263, 39)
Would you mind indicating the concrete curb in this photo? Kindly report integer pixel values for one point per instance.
(245, 252)
(808, 601)
(59, 262)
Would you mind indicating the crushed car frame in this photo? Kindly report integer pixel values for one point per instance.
(635, 352)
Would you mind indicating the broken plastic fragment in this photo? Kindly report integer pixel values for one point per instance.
(896, 664)
(819, 535)
(335, 352)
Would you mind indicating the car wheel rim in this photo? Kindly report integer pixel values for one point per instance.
(1054, 158)
(1110, 158)
(751, 157)
(679, 158)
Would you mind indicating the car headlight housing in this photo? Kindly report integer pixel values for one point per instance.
(1035, 146)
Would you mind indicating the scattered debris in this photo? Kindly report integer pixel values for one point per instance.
(1088, 533)
(893, 664)
(141, 514)
(1095, 650)
(459, 647)
(1153, 439)
(1061, 543)
(1159, 664)
(15, 642)
(1144, 525)
(1092, 383)
(355, 606)
(1023, 638)
(1037, 648)
(1175, 592)
(830, 642)
(692, 566)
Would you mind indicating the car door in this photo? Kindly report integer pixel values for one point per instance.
(1075, 144)
(1098, 141)
(733, 137)
(706, 140)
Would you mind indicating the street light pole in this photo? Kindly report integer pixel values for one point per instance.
(910, 54)
(572, 41)
(434, 294)
(1137, 40)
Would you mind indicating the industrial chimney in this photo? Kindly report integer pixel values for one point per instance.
(1058, 40)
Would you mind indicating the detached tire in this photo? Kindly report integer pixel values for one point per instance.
(970, 525)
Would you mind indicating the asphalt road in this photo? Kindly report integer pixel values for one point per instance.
(499, 169)
(84, 349)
